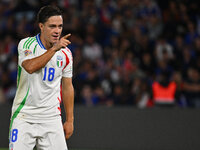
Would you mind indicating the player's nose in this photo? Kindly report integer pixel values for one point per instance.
(57, 30)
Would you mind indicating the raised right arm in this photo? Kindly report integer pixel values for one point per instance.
(35, 64)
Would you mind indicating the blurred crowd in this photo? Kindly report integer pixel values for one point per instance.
(120, 48)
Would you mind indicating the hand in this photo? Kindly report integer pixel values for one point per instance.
(68, 128)
(62, 43)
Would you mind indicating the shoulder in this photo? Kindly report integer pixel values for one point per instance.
(26, 42)
(22, 41)
(67, 52)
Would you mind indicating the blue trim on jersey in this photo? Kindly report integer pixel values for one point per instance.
(39, 41)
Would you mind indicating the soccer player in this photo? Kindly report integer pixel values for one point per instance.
(44, 64)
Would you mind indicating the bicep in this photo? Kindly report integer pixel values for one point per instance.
(66, 83)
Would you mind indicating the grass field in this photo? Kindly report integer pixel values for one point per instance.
(69, 149)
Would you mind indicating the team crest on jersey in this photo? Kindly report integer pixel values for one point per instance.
(27, 52)
(59, 61)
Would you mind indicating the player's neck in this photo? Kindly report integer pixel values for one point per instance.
(46, 44)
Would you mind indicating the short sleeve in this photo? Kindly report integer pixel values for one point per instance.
(24, 52)
(68, 68)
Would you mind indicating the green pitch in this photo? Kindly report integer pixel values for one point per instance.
(69, 149)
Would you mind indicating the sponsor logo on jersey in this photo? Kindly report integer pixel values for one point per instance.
(27, 52)
(59, 61)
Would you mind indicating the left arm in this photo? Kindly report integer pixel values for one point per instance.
(68, 100)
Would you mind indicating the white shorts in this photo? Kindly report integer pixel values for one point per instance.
(45, 136)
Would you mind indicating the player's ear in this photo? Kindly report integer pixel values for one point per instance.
(41, 26)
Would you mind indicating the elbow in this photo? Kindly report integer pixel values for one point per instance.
(30, 70)
(28, 67)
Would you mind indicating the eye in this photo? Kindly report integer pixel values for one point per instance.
(60, 26)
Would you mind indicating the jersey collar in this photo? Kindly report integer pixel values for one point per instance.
(39, 41)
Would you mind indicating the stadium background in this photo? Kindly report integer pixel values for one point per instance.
(120, 47)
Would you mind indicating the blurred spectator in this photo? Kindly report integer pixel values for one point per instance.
(141, 90)
(148, 64)
(187, 59)
(164, 91)
(118, 47)
(154, 27)
(101, 96)
(88, 96)
(171, 18)
(180, 97)
(91, 49)
(191, 87)
(192, 34)
(164, 48)
(118, 96)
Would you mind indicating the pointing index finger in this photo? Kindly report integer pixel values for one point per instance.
(66, 36)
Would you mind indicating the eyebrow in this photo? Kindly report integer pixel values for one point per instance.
(53, 25)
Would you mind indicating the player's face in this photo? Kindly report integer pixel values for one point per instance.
(52, 29)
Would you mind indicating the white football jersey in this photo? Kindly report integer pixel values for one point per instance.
(38, 96)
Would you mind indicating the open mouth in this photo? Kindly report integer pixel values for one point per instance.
(55, 37)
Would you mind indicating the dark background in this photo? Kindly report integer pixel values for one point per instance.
(120, 48)
(127, 128)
